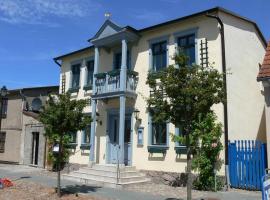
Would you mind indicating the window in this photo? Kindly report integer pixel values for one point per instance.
(159, 133)
(2, 142)
(179, 132)
(4, 107)
(86, 135)
(118, 60)
(186, 44)
(76, 69)
(90, 72)
(159, 55)
(73, 137)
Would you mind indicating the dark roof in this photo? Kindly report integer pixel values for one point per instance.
(264, 72)
(74, 52)
(34, 88)
(212, 10)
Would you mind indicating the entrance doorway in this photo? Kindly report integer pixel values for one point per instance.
(113, 136)
(35, 148)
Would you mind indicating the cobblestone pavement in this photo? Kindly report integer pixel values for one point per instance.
(148, 191)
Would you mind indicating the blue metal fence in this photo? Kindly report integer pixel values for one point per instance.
(247, 163)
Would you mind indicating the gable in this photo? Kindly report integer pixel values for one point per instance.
(107, 29)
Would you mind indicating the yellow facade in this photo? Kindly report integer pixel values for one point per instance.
(244, 50)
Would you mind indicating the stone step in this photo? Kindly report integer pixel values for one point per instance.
(97, 182)
(112, 167)
(107, 178)
(109, 173)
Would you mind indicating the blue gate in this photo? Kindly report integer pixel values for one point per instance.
(247, 163)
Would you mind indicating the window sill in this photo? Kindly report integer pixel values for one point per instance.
(85, 146)
(71, 146)
(73, 90)
(88, 87)
(180, 149)
(157, 149)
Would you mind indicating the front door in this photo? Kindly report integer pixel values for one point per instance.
(113, 143)
(35, 147)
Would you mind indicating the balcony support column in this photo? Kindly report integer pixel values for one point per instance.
(93, 105)
(122, 129)
(122, 110)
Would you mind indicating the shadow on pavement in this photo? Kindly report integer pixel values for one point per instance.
(73, 189)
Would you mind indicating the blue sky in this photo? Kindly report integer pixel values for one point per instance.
(32, 32)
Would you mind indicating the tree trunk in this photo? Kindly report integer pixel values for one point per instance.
(189, 178)
(59, 168)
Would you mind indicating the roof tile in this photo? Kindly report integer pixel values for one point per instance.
(265, 68)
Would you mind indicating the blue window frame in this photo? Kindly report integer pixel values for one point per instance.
(86, 135)
(159, 55)
(90, 72)
(186, 44)
(118, 60)
(76, 70)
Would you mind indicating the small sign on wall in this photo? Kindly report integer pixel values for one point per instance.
(140, 136)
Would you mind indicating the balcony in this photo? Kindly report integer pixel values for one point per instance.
(108, 84)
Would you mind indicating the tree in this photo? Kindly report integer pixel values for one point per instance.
(62, 116)
(182, 94)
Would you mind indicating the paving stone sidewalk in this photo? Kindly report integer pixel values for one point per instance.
(150, 191)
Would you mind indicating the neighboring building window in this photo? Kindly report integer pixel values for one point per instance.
(159, 55)
(86, 135)
(90, 72)
(76, 69)
(73, 137)
(118, 60)
(2, 142)
(186, 44)
(4, 107)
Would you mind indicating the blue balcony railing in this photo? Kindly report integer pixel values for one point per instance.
(109, 82)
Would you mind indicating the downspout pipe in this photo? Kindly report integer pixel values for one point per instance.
(225, 105)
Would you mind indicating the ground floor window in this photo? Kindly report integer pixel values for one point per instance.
(2, 141)
(179, 132)
(158, 133)
(86, 134)
(73, 137)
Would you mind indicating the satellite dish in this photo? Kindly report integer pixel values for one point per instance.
(36, 104)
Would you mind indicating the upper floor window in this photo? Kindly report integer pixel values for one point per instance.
(159, 55)
(90, 72)
(118, 60)
(76, 70)
(4, 107)
(186, 44)
(2, 141)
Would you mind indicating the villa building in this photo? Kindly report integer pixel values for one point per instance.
(22, 139)
(112, 74)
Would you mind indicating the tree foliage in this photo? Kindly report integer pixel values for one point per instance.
(62, 116)
(206, 160)
(184, 94)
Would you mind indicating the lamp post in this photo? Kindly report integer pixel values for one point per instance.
(3, 93)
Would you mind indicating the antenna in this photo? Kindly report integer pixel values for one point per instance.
(108, 15)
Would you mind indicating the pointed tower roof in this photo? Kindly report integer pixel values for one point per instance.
(264, 72)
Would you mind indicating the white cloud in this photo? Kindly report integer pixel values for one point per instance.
(39, 11)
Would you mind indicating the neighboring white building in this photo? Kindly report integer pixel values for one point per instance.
(119, 61)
